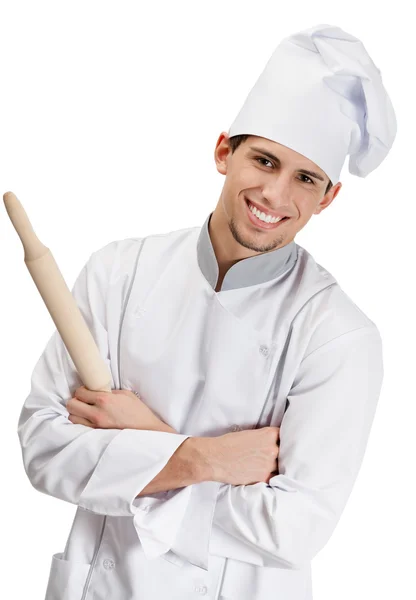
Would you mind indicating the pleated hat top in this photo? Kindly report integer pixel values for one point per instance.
(321, 95)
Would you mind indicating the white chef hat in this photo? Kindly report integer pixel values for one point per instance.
(321, 95)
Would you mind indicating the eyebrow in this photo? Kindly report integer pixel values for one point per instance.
(277, 160)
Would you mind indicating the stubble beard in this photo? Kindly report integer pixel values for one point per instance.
(250, 244)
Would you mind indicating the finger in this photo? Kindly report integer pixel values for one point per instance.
(81, 409)
(80, 421)
(85, 395)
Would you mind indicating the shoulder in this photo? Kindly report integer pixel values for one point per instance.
(330, 313)
(119, 257)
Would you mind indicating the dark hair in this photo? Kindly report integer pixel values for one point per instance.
(236, 140)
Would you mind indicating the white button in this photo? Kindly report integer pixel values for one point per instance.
(235, 428)
(145, 508)
(201, 589)
(264, 350)
(139, 312)
(108, 564)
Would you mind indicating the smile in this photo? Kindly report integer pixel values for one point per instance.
(258, 222)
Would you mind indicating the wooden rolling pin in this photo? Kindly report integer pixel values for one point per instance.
(62, 307)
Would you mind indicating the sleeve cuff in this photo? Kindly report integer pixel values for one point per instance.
(131, 460)
(199, 516)
(157, 520)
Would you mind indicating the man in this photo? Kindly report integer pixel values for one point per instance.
(245, 380)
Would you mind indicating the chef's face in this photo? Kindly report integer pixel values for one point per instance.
(273, 178)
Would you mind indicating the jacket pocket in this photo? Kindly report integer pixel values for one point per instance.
(66, 579)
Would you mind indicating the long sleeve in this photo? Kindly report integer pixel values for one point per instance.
(101, 470)
(323, 437)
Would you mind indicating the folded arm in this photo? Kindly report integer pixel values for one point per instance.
(323, 436)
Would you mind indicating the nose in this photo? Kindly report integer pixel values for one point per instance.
(277, 191)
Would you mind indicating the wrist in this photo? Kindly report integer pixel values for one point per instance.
(198, 451)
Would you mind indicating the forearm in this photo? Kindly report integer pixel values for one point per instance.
(188, 465)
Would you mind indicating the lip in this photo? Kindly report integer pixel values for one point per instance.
(267, 211)
(260, 224)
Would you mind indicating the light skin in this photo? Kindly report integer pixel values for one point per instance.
(278, 185)
(273, 177)
(238, 458)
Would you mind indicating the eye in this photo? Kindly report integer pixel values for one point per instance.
(302, 175)
(261, 158)
(265, 159)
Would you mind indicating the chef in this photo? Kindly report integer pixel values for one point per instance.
(245, 380)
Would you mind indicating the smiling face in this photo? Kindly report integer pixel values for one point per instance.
(265, 176)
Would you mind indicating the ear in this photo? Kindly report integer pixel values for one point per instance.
(328, 198)
(221, 153)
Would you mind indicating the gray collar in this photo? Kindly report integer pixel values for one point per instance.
(248, 271)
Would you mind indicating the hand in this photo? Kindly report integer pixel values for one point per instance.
(242, 457)
(118, 409)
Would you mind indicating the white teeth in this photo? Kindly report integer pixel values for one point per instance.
(263, 217)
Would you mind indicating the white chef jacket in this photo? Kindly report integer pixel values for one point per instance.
(280, 344)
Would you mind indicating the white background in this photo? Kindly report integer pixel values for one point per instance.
(110, 112)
